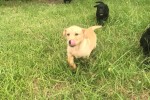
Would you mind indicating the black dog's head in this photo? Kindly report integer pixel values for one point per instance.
(101, 8)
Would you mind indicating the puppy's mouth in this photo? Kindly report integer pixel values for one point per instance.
(72, 43)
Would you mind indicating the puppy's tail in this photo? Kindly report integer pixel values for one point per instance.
(95, 27)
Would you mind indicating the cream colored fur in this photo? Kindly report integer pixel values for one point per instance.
(85, 42)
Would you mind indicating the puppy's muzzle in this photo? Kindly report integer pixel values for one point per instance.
(101, 14)
(72, 43)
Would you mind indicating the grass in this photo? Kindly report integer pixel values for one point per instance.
(33, 52)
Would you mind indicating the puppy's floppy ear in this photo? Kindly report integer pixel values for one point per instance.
(96, 6)
(64, 32)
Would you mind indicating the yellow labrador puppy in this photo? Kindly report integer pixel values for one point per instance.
(80, 42)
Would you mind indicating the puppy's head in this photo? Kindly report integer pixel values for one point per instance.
(74, 35)
(101, 8)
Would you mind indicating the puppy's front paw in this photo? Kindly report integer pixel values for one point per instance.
(71, 62)
(74, 66)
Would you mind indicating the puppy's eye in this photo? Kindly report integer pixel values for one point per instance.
(68, 34)
(76, 34)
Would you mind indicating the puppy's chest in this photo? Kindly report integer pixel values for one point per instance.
(82, 51)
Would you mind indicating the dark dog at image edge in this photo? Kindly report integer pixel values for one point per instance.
(65, 1)
(145, 42)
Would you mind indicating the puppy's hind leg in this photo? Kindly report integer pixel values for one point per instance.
(71, 61)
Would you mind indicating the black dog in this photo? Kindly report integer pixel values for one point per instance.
(145, 42)
(65, 1)
(102, 12)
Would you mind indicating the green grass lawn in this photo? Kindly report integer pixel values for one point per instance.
(33, 52)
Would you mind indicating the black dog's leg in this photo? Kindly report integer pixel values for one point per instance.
(100, 22)
(105, 19)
